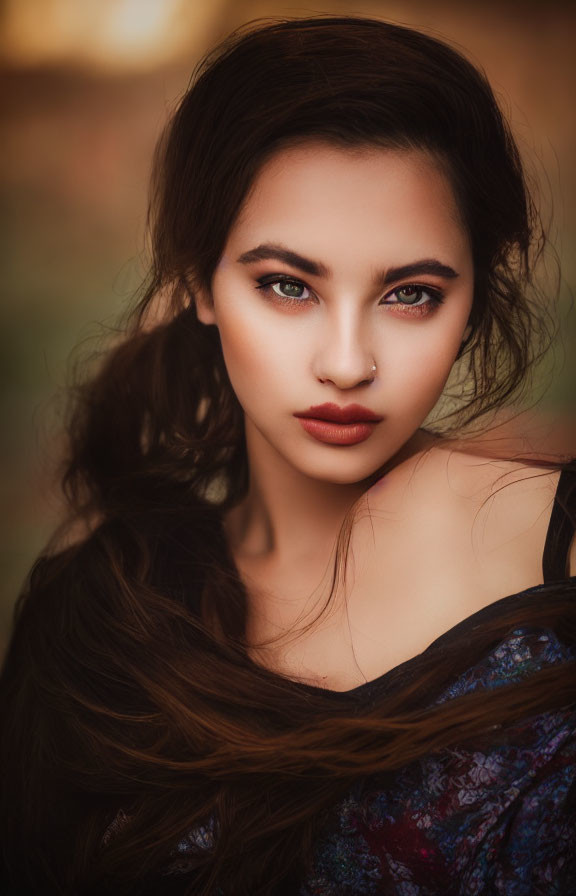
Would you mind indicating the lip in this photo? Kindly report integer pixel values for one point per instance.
(352, 413)
(337, 433)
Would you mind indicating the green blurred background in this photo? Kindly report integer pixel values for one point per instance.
(86, 88)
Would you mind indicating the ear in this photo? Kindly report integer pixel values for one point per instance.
(466, 333)
(204, 306)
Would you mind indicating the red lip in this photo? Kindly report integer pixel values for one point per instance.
(352, 413)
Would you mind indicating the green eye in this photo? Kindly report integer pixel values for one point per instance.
(422, 299)
(414, 296)
(285, 288)
(288, 289)
(409, 295)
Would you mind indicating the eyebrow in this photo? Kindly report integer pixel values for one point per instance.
(317, 269)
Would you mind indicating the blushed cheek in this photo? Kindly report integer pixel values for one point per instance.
(248, 356)
(422, 379)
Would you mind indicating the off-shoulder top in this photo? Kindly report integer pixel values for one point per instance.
(460, 822)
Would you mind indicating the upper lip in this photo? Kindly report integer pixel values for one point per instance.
(352, 413)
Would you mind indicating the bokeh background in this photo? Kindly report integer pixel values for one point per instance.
(87, 86)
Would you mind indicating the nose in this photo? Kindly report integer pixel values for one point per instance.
(345, 359)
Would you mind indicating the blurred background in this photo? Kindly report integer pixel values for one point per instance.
(87, 86)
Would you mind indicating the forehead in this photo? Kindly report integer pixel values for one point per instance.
(335, 198)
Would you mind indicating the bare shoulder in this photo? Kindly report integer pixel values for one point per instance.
(514, 496)
(488, 499)
(466, 470)
(524, 449)
(471, 471)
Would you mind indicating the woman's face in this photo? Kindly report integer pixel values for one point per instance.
(340, 260)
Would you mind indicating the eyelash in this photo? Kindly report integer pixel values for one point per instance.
(436, 296)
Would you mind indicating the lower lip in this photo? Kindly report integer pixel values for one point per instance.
(337, 433)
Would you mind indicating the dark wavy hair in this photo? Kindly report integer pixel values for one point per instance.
(132, 710)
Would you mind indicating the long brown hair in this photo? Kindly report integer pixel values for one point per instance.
(132, 710)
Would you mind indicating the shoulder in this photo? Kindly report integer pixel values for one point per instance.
(453, 472)
(483, 494)
(522, 449)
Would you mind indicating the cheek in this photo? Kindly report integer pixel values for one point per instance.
(253, 359)
(417, 374)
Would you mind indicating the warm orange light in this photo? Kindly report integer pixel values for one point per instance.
(104, 34)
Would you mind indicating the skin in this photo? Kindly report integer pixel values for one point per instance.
(359, 213)
(356, 212)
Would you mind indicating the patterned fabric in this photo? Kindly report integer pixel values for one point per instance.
(460, 822)
(463, 821)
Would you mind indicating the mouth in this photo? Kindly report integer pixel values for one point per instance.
(352, 413)
(339, 426)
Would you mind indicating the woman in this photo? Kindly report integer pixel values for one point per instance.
(292, 640)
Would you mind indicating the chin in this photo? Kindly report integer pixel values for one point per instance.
(341, 471)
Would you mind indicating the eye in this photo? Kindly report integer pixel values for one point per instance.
(413, 296)
(286, 288)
